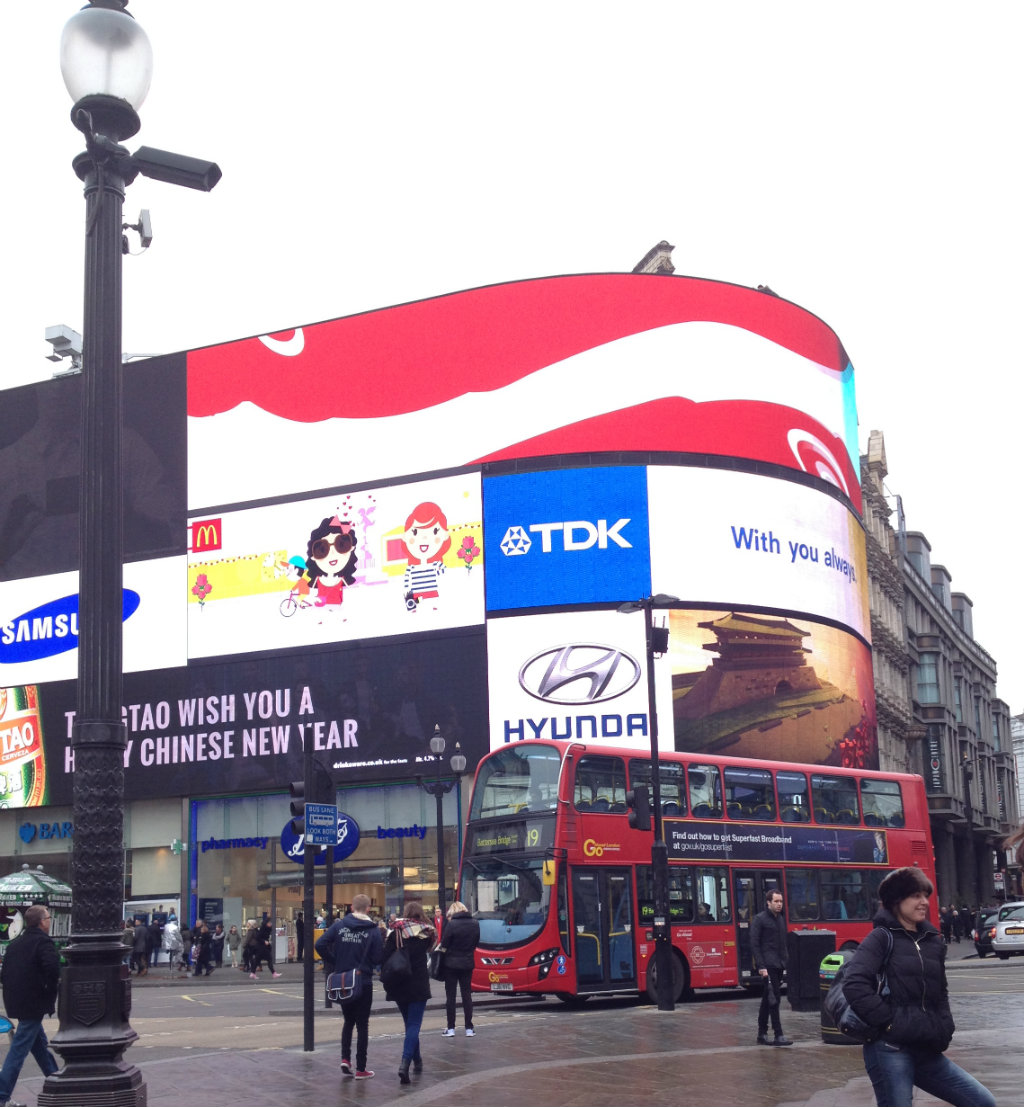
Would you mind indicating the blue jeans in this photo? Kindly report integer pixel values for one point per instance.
(894, 1070)
(412, 1016)
(30, 1037)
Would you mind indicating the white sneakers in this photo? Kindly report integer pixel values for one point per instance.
(448, 1033)
(470, 1032)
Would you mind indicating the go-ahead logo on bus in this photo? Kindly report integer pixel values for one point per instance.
(579, 674)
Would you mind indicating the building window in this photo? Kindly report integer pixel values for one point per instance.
(928, 678)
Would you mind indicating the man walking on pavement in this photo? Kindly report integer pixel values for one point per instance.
(31, 976)
(768, 945)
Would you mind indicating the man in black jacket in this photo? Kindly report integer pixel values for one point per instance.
(768, 945)
(31, 976)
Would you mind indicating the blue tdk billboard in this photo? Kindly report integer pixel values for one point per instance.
(566, 537)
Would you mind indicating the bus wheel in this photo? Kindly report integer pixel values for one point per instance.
(679, 979)
(572, 1001)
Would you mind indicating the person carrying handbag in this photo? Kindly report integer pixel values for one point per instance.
(354, 942)
(459, 941)
(415, 936)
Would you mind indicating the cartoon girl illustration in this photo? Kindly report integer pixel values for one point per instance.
(426, 541)
(331, 560)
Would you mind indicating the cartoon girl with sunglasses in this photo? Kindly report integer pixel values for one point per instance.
(426, 540)
(331, 560)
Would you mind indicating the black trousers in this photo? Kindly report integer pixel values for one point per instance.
(356, 1017)
(765, 1011)
(461, 980)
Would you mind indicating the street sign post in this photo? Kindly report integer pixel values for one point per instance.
(322, 824)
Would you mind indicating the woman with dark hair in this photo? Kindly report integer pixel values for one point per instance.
(331, 560)
(411, 993)
(911, 1007)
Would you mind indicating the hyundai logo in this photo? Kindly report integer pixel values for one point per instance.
(579, 674)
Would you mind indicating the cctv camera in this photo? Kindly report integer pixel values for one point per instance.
(162, 165)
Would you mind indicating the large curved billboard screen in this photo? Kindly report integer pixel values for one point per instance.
(558, 365)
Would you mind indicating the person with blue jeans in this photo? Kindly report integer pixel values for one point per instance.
(31, 977)
(900, 988)
(411, 993)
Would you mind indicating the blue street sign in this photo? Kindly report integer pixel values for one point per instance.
(322, 824)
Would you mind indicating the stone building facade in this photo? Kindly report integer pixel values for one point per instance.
(938, 711)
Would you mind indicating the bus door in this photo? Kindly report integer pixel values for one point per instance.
(750, 889)
(603, 938)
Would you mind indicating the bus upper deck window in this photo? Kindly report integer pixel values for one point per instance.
(705, 791)
(835, 799)
(794, 797)
(882, 802)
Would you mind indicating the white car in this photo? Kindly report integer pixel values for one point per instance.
(1008, 932)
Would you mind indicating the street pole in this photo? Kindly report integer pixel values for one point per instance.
(308, 885)
(659, 850)
(106, 62)
(439, 789)
(442, 893)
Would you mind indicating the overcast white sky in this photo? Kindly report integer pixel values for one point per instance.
(862, 161)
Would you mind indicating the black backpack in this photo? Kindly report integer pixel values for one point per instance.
(838, 1009)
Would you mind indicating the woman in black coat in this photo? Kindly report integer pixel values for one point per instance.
(460, 938)
(911, 1008)
(412, 992)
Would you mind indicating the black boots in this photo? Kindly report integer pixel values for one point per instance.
(417, 1064)
(403, 1072)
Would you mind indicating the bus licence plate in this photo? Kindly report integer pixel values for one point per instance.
(501, 987)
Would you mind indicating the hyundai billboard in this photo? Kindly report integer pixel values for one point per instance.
(579, 675)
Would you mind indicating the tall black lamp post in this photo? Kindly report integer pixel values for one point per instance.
(106, 62)
(439, 788)
(657, 643)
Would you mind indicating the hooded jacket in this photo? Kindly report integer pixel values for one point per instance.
(915, 1012)
(353, 942)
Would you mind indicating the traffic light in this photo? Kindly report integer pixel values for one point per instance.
(638, 800)
(297, 790)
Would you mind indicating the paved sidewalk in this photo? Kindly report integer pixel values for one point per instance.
(608, 1055)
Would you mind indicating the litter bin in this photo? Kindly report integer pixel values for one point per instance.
(831, 965)
(807, 949)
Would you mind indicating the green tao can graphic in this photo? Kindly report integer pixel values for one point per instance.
(22, 761)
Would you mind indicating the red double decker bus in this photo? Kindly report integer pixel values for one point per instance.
(562, 886)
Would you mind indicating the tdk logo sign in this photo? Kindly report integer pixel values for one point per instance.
(579, 674)
(51, 629)
(577, 535)
(594, 549)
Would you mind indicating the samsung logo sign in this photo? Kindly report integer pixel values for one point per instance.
(579, 674)
(50, 629)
